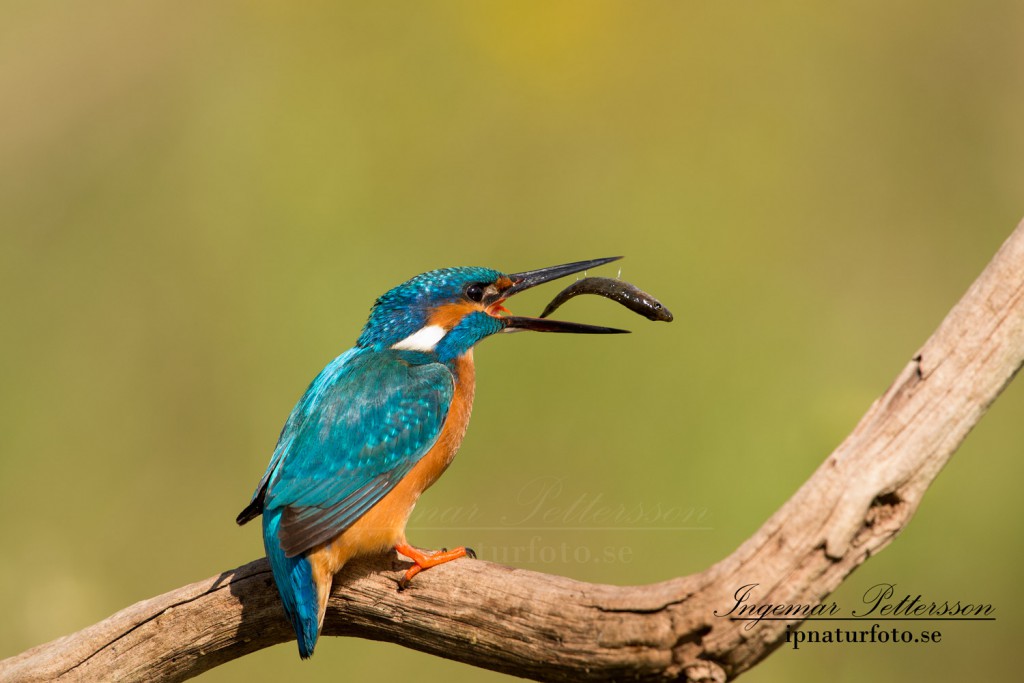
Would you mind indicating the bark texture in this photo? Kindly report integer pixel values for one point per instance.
(551, 628)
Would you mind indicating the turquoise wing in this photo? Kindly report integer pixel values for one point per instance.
(364, 422)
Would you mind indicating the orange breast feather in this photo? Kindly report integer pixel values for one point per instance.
(383, 526)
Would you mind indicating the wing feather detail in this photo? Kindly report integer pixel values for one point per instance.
(362, 425)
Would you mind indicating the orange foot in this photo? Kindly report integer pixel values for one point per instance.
(426, 560)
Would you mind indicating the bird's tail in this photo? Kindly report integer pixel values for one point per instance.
(295, 583)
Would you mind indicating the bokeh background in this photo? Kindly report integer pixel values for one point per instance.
(199, 202)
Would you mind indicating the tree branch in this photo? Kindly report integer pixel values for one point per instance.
(551, 628)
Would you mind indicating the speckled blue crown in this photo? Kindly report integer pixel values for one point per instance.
(403, 310)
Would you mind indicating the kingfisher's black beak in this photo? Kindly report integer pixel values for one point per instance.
(531, 278)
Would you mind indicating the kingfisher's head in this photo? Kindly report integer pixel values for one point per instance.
(447, 311)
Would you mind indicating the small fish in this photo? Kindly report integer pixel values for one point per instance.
(629, 295)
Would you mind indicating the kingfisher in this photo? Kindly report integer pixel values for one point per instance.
(378, 426)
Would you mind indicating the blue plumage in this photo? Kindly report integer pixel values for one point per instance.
(470, 330)
(405, 309)
(362, 425)
(294, 579)
(370, 417)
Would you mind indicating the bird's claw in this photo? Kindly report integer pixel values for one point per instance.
(425, 560)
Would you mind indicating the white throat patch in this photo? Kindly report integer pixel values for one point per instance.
(424, 339)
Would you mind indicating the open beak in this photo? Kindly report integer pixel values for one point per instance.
(531, 278)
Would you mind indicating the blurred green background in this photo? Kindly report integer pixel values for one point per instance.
(199, 202)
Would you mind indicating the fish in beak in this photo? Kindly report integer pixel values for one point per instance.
(531, 278)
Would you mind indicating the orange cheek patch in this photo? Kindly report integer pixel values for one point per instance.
(449, 315)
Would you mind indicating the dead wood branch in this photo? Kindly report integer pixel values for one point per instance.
(550, 628)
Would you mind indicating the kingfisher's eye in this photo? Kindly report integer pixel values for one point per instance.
(475, 292)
